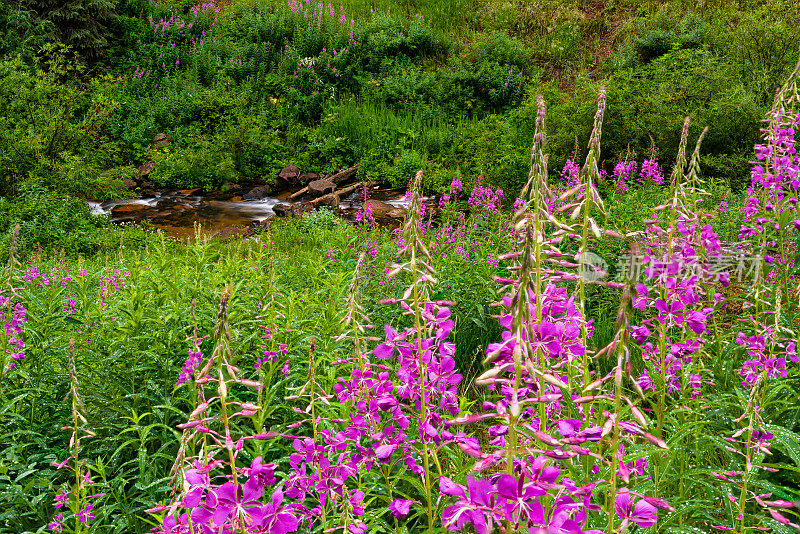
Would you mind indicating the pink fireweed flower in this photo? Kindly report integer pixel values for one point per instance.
(651, 172)
(192, 363)
(86, 515)
(642, 513)
(400, 507)
(13, 318)
(622, 174)
(62, 499)
(571, 173)
(57, 524)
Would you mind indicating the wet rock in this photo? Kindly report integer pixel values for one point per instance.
(382, 210)
(257, 193)
(194, 191)
(282, 210)
(146, 168)
(289, 176)
(160, 140)
(167, 203)
(331, 201)
(127, 208)
(309, 177)
(321, 187)
(129, 184)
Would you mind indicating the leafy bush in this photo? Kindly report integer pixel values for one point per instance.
(86, 26)
(321, 219)
(649, 107)
(201, 166)
(59, 222)
(502, 49)
(664, 33)
(53, 128)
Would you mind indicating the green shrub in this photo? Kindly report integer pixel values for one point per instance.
(52, 128)
(22, 32)
(649, 106)
(664, 33)
(321, 219)
(761, 43)
(59, 222)
(200, 166)
(255, 152)
(83, 25)
(500, 48)
(387, 37)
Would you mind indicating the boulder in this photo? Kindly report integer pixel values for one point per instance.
(289, 176)
(127, 208)
(257, 193)
(331, 201)
(309, 177)
(160, 140)
(129, 184)
(194, 191)
(321, 187)
(282, 210)
(382, 210)
(146, 168)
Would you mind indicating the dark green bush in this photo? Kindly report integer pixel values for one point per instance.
(649, 105)
(500, 48)
(665, 32)
(52, 128)
(199, 166)
(58, 222)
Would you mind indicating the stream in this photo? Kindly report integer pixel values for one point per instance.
(176, 211)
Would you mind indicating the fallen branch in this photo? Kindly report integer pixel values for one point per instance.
(340, 176)
(344, 191)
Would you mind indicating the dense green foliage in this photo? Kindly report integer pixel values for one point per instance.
(372, 84)
(447, 86)
(133, 313)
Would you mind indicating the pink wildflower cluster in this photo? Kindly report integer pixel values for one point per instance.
(622, 174)
(113, 283)
(485, 200)
(13, 315)
(762, 362)
(193, 362)
(364, 218)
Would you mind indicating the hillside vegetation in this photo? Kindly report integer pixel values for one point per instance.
(582, 317)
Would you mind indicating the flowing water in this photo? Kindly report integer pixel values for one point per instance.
(176, 212)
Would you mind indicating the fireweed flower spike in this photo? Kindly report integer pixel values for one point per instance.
(427, 352)
(212, 492)
(770, 216)
(13, 316)
(679, 296)
(581, 204)
(78, 498)
(545, 422)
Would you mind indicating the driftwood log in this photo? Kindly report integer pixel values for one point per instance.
(337, 178)
(324, 200)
